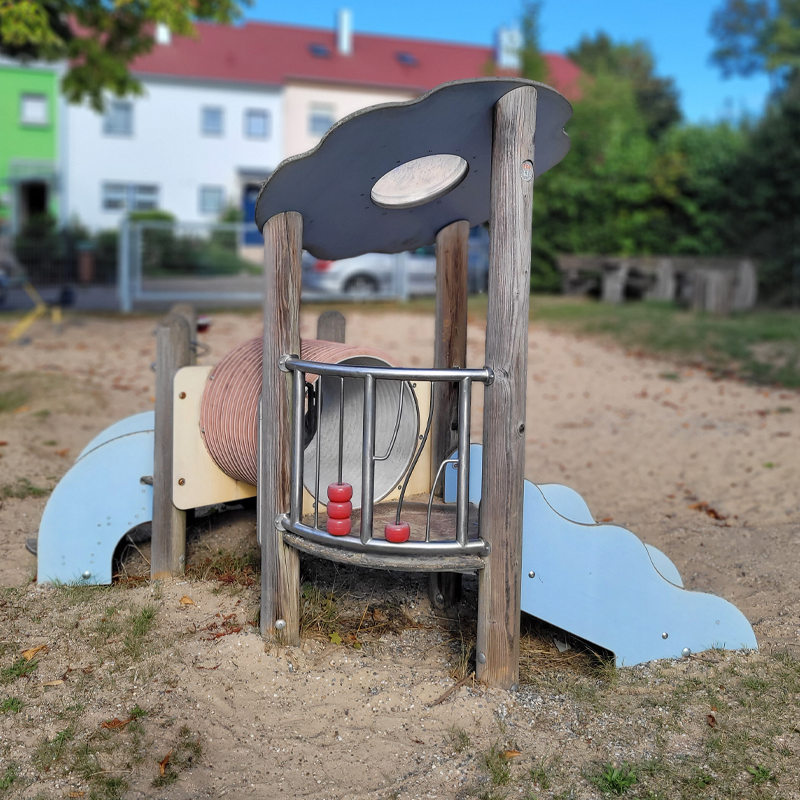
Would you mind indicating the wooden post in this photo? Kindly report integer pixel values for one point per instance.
(504, 400)
(188, 311)
(280, 564)
(173, 351)
(330, 326)
(450, 350)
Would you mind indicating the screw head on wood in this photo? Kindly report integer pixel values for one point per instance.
(86, 575)
(531, 574)
(481, 658)
(526, 171)
(686, 652)
(280, 624)
(182, 395)
(665, 635)
(181, 481)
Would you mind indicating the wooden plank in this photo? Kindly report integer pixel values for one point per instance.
(330, 326)
(504, 399)
(450, 350)
(280, 564)
(456, 564)
(187, 310)
(173, 351)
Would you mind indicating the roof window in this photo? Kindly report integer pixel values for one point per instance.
(407, 59)
(319, 50)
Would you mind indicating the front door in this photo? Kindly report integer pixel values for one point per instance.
(252, 235)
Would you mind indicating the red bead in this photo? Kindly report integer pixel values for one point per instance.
(397, 532)
(340, 492)
(338, 527)
(340, 510)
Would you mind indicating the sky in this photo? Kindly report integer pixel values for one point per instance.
(676, 31)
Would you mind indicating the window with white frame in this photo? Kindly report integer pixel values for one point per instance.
(257, 123)
(320, 119)
(33, 109)
(212, 199)
(118, 119)
(129, 196)
(212, 121)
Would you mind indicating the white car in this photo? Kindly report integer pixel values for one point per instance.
(400, 275)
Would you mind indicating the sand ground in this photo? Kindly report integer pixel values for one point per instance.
(707, 470)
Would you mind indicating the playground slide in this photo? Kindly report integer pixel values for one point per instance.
(602, 584)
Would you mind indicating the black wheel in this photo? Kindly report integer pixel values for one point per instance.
(361, 286)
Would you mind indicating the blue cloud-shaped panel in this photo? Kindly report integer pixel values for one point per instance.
(330, 185)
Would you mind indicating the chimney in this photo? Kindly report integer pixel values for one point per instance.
(508, 47)
(163, 34)
(344, 32)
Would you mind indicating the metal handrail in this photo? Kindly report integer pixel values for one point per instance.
(366, 542)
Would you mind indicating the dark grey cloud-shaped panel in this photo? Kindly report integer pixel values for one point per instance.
(330, 185)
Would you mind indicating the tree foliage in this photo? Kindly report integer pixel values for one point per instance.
(99, 38)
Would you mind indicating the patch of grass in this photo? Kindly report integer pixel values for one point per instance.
(22, 489)
(50, 751)
(13, 398)
(8, 777)
(540, 775)
(50, 443)
(227, 568)
(186, 753)
(318, 611)
(43, 413)
(11, 705)
(19, 669)
(761, 775)
(137, 713)
(614, 780)
(139, 625)
(497, 765)
(457, 738)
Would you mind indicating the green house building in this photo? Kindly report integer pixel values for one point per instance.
(29, 142)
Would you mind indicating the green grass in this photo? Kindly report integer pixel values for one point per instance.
(759, 346)
(11, 705)
(497, 765)
(614, 780)
(139, 625)
(8, 777)
(13, 399)
(19, 669)
(22, 489)
(457, 738)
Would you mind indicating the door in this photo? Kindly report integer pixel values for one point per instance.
(252, 235)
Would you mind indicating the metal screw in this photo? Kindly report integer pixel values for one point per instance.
(439, 598)
(182, 560)
(665, 635)
(531, 574)
(686, 652)
(181, 481)
(182, 395)
(481, 658)
(280, 624)
(86, 575)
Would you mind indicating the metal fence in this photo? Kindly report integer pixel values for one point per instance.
(209, 265)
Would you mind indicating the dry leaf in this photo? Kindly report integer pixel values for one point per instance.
(162, 765)
(76, 794)
(712, 720)
(31, 652)
(62, 453)
(52, 683)
(186, 601)
(21, 409)
(511, 753)
(114, 724)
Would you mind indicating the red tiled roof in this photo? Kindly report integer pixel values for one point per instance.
(266, 53)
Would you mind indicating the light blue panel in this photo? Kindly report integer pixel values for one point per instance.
(665, 567)
(567, 502)
(475, 476)
(598, 582)
(146, 421)
(93, 506)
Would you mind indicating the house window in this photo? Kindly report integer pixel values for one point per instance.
(33, 109)
(129, 197)
(320, 119)
(212, 199)
(212, 120)
(256, 123)
(118, 120)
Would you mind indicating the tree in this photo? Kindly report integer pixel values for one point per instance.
(99, 38)
(534, 65)
(758, 35)
(657, 98)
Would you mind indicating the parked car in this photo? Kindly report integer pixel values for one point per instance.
(403, 274)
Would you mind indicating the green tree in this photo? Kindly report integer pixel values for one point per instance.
(758, 35)
(534, 65)
(99, 38)
(656, 97)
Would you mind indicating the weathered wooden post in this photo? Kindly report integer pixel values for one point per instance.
(450, 350)
(173, 351)
(280, 564)
(330, 326)
(504, 400)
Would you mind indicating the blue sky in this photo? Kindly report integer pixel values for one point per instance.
(676, 31)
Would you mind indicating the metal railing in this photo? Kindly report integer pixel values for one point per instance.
(366, 541)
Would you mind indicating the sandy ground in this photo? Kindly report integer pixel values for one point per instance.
(707, 470)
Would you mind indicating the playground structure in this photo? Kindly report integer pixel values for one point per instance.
(386, 449)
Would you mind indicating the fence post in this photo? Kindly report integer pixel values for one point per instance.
(124, 268)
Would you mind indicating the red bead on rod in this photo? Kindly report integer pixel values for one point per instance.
(340, 492)
(397, 532)
(340, 510)
(338, 527)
